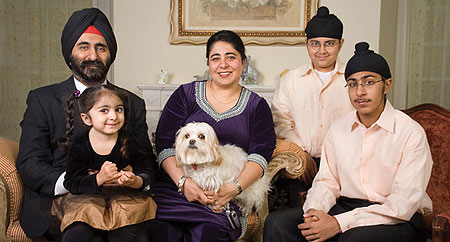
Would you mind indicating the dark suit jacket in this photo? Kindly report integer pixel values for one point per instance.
(40, 161)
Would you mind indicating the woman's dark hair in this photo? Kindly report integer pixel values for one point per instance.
(229, 37)
(86, 101)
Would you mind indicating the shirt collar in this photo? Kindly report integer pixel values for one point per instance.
(387, 117)
(385, 121)
(338, 68)
(81, 87)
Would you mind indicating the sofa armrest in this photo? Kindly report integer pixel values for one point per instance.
(289, 158)
(441, 227)
(4, 220)
(12, 184)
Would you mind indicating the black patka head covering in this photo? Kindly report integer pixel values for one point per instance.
(78, 23)
(324, 24)
(367, 60)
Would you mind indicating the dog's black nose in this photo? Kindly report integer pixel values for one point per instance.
(192, 141)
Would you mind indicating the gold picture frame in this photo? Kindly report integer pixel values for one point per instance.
(260, 22)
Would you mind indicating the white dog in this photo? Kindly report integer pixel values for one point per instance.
(210, 165)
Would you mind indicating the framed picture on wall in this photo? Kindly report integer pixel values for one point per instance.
(261, 22)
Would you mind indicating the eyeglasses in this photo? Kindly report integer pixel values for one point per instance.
(329, 44)
(365, 83)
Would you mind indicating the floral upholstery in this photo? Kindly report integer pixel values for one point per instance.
(436, 122)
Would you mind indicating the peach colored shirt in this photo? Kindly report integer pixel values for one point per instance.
(388, 163)
(303, 107)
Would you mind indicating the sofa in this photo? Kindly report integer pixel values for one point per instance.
(287, 158)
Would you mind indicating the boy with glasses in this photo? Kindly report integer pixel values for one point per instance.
(310, 97)
(374, 171)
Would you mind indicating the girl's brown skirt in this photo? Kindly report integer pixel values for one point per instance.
(114, 208)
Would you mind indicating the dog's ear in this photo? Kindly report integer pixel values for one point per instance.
(216, 153)
(177, 158)
(179, 154)
(177, 137)
(213, 142)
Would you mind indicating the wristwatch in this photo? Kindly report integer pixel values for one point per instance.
(181, 183)
(239, 187)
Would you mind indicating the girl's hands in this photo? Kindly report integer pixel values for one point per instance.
(129, 179)
(223, 196)
(108, 172)
(109, 175)
(128, 168)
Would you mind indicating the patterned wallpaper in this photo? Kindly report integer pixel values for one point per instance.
(30, 47)
(429, 53)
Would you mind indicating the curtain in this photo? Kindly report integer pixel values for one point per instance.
(30, 53)
(429, 53)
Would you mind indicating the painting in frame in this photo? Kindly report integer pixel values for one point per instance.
(261, 22)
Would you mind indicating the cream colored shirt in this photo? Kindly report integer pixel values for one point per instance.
(388, 163)
(303, 107)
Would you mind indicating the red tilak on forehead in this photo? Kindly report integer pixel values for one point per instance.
(93, 30)
(194, 166)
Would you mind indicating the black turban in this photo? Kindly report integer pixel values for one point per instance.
(78, 23)
(324, 24)
(367, 60)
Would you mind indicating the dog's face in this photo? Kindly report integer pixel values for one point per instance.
(196, 143)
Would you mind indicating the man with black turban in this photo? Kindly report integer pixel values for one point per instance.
(374, 170)
(89, 48)
(309, 98)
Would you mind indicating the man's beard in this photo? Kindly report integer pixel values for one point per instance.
(90, 71)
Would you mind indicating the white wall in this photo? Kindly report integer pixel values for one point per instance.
(142, 30)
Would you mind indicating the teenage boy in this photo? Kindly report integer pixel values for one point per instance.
(312, 96)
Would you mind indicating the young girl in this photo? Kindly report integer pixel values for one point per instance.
(107, 172)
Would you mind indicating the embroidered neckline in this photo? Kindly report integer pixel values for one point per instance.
(200, 98)
(217, 100)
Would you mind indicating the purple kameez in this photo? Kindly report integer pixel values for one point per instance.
(248, 125)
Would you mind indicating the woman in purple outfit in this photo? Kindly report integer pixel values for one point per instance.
(239, 117)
